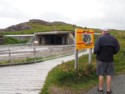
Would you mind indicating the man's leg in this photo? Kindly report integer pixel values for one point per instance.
(101, 81)
(110, 72)
(109, 82)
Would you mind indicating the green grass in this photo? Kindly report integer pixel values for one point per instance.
(6, 62)
(20, 61)
(63, 78)
(10, 40)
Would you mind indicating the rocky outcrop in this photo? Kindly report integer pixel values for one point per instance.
(19, 27)
(39, 22)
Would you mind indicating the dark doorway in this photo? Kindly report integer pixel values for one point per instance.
(53, 39)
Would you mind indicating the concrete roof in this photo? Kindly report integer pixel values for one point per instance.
(53, 32)
(23, 35)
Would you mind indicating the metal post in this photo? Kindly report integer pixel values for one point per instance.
(90, 56)
(76, 59)
(76, 53)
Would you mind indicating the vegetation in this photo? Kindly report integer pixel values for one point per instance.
(10, 40)
(21, 61)
(120, 57)
(66, 80)
(37, 27)
(28, 60)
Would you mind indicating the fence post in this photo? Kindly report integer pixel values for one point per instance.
(9, 52)
(34, 51)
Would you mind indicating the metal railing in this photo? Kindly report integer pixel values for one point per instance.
(25, 54)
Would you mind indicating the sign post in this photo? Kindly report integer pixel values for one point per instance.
(90, 56)
(76, 59)
(84, 39)
(76, 53)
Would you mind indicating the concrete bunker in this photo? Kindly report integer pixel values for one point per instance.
(55, 38)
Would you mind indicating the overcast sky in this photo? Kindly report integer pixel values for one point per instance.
(90, 13)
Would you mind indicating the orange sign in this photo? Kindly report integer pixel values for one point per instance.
(84, 38)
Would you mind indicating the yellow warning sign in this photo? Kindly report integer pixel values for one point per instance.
(84, 38)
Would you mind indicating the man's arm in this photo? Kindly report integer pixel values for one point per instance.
(117, 47)
(97, 46)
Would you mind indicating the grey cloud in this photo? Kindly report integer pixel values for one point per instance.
(8, 11)
(102, 23)
(112, 10)
(52, 16)
(114, 16)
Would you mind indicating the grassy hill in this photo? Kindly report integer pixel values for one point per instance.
(36, 26)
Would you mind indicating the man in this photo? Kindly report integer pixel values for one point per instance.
(105, 47)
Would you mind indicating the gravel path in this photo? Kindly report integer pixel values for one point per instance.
(118, 86)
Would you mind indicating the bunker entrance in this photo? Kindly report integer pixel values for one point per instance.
(53, 39)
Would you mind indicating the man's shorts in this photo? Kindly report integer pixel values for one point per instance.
(105, 68)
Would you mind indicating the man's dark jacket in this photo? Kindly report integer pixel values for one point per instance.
(105, 47)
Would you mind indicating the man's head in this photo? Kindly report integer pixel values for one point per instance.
(104, 31)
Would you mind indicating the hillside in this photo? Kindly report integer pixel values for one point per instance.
(36, 25)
